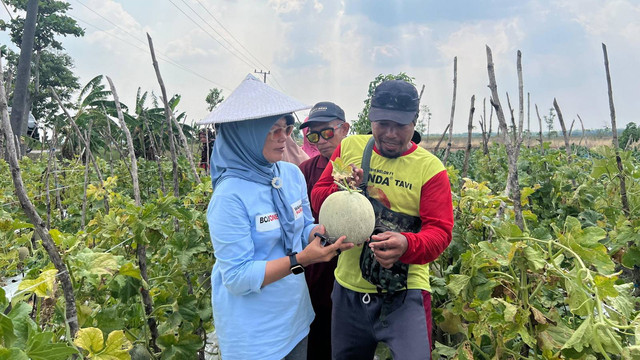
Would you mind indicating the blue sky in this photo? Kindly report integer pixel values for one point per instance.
(330, 50)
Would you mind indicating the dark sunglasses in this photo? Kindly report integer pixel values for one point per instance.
(388, 100)
(326, 133)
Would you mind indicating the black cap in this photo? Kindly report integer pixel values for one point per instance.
(395, 100)
(324, 111)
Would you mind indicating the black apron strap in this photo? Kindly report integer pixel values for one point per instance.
(365, 163)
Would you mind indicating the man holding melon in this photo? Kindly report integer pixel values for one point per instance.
(326, 127)
(381, 292)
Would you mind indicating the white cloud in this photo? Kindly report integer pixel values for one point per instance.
(286, 6)
(193, 43)
(470, 39)
(334, 56)
(385, 51)
(602, 18)
(112, 25)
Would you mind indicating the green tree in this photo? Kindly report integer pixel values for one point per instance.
(51, 66)
(549, 119)
(213, 98)
(363, 125)
(422, 126)
(631, 134)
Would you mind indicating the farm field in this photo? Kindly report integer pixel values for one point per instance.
(105, 250)
(560, 288)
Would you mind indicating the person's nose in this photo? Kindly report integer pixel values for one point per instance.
(282, 136)
(392, 132)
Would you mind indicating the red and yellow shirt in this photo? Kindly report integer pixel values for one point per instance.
(416, 184)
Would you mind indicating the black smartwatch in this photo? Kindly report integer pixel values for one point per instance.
(295, 267)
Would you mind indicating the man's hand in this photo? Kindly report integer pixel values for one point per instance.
(356, 176)
(388, 247)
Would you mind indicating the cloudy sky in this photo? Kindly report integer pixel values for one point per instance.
(320, 50)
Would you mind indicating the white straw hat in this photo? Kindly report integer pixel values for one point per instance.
(252, 99)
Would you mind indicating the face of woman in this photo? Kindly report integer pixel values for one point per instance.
(274, 144)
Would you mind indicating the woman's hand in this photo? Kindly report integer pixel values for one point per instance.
(315, 252)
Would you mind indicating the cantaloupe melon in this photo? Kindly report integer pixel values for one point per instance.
(348, 213)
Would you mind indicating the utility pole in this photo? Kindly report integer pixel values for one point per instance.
(264, 73)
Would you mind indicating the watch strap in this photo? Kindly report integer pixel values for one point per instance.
(295, 267)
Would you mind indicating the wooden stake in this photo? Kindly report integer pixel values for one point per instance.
(567, 148)
(583, 133)
(86, 177)
(512, 143)
(614, 130)
(141, 248)
(571, 129)
(435, 150)
(528, 120)
(167, 114)
(469, 133)
(453, 110)
(483, 128)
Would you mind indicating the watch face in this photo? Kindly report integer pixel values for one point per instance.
(297, 269)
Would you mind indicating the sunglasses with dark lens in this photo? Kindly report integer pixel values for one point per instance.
(388, 100)
(279, 131)
(326, 133)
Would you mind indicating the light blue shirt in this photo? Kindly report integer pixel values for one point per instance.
(253, 322)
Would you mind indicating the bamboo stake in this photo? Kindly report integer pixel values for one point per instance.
(141, 248)
(167, 114)
(512, 144)
(453, 110)
(614, 130)
(470, 131)
(39, 225)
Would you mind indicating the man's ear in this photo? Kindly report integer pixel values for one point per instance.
(346, 127)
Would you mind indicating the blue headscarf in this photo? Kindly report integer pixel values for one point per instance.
(237, 153)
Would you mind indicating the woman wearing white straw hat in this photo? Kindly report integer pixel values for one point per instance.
(261, 229)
